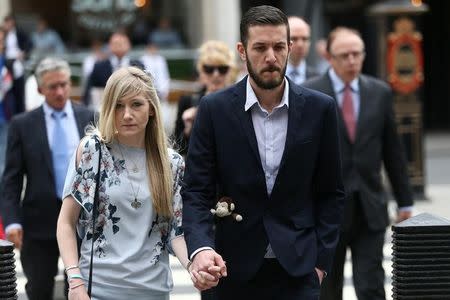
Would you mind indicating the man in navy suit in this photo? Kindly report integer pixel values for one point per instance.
(297, 69)
(37, 152)
(119, 45)
(17, 48)
(273, 148)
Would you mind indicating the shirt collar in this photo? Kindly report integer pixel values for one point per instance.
(300, 68)
(339, 85)
(251, 98)
(48, 110)
(125, 61)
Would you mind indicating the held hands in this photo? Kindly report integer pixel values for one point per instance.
(206, 269)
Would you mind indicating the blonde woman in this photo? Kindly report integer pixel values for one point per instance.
(216, 69)
(139, 208)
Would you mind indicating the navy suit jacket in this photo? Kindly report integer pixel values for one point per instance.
(301, 217)
(100, 74)
(28, 155)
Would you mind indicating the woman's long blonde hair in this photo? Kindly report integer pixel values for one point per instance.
(132, 81)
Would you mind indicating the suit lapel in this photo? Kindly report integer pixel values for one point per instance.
(364, 107)
(245, 117)
(78, 120)
(41, 133)
(296, 103)
(328, 89)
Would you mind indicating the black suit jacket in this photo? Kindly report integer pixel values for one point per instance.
(100, 74)
(376, 142)
(300, 218)
(28, 155)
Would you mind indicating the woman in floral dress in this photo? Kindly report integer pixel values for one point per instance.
(139, 208)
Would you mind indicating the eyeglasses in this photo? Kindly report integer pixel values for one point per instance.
(304, 39)
(345, 56)
(54, 86)
(209, 69)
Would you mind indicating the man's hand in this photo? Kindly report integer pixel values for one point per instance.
(15, 236)
(403, 215)
(320, 274)
(188, 118)
(206, 269)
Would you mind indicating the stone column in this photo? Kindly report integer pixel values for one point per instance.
(5, 9)
(218, 20)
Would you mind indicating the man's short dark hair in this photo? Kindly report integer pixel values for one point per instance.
(262, 15)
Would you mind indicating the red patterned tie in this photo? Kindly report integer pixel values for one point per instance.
(348, 112)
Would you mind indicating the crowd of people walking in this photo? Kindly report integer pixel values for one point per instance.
(295, 152)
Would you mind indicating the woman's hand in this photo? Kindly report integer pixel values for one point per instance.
(204, 280)
(77, 290)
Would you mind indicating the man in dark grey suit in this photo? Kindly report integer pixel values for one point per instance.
(297, 69)
(39, 146)
(370, 139)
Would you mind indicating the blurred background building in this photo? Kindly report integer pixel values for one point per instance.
(79, 22)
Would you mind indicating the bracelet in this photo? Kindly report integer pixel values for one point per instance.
(71, 268)
(188, 265)
(75, 286)
(74, 276)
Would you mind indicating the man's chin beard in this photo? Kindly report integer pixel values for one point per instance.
(269, 84)
(266, 85)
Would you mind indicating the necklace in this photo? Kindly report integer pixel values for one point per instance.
(135, 203)
(135, 167)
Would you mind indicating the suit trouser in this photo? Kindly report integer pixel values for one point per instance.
(367, 257)
(271, 282)
(40, 265)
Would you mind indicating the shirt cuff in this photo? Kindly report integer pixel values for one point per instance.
(12, 226)
(199, 250)
(406, 208)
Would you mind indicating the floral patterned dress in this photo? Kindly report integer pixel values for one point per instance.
(131, 242)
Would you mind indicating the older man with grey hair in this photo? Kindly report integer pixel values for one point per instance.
(39, 146)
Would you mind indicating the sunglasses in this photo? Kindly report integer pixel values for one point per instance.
(209, 69)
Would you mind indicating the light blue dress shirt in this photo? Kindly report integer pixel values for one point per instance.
(270, 130)
(300, 77)
(338, 87)
(69, 123)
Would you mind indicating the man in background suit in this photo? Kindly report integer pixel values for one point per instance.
(367, 125)
(119, 46)
(17, 47)
(273, 148)
(39, 146)
(297, 69)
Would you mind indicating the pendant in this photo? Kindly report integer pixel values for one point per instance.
(136, 204)
(135, 169)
